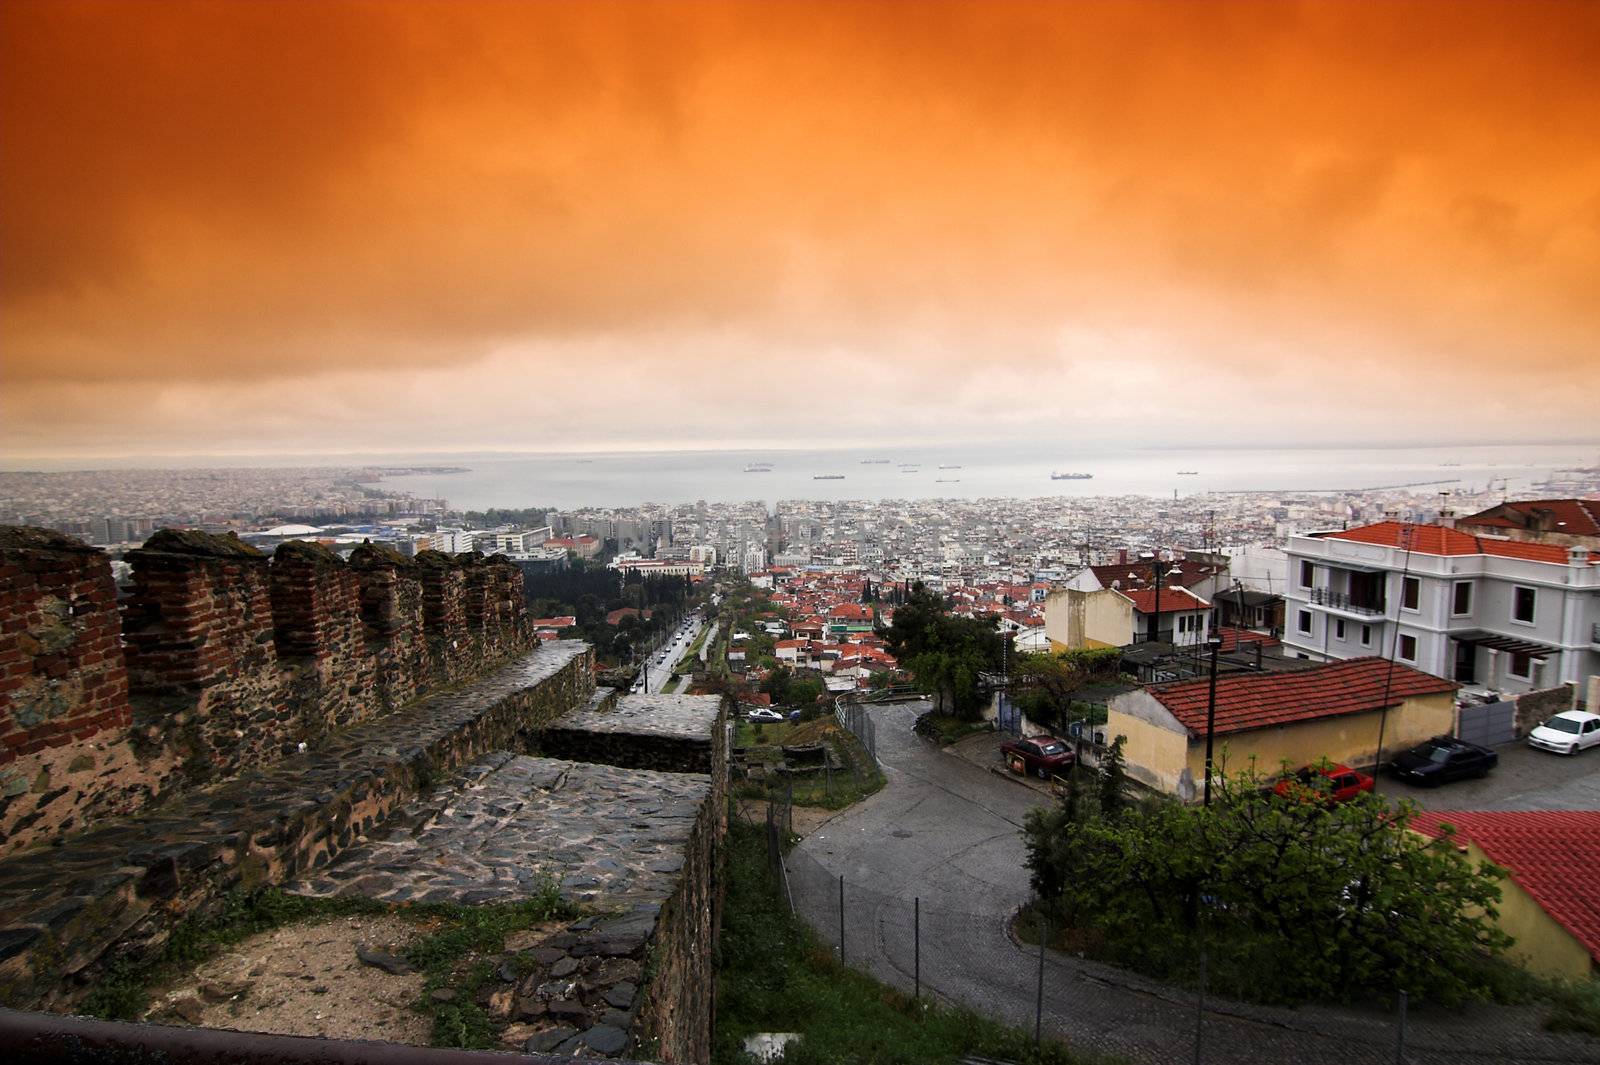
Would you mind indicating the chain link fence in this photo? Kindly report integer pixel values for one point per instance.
(979, 960)
(855, 717)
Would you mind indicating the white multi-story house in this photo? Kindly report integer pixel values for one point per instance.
(1494, 613)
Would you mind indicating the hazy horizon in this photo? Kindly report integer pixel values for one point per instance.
(642, 226)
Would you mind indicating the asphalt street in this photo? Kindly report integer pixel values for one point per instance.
(945, 834)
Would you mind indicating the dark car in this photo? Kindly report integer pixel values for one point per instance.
(1443, 759)
(1039, 755)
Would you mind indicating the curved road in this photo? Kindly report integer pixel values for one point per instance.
(948, 833)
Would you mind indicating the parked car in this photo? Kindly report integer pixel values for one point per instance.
(1443, 759)
(762, 716)
(1039, 755)
(1567, 733)
(1341, 783)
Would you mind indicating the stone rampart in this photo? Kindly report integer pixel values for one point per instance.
(223, 660)
(67, 749)
(120, 888)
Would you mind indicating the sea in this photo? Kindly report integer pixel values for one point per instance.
(618, 479)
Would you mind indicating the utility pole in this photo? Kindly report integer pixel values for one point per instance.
(1211, 712)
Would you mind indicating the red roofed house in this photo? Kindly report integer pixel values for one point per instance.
(1571, 522)
(1330, 711)
(1183, 615)
(1550, 904)
(1506, 615)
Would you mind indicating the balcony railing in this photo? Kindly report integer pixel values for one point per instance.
(1594, 634)
(1341, 601)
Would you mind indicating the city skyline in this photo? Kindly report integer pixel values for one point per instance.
(493, 227)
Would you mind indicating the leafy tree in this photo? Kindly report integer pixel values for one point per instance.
(1295, 899)
(1113, 780)
(944, 654)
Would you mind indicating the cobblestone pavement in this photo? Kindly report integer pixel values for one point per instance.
(946, 832)
(511, 823)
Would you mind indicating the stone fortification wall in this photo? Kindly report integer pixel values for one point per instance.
(120, 888)
(67, 750)
(223, 659)
(678, 1005)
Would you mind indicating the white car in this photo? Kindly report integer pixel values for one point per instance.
(1567, 733)
(762, 716)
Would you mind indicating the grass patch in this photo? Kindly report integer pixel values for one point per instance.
(451, 954)
(773, 975)
(858, 776)
(945, 729)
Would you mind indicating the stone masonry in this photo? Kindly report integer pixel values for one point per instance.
(245, 721)
(121, 887)
(222, 659)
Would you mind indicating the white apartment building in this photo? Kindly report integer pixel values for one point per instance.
(1498, 614)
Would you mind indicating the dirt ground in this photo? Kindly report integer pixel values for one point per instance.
(306, 980)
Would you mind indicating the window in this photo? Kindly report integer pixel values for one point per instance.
(1338, 628)
(1461, 604)
(1521, 666)
(1302, 621)
(1307, 572)
(1410, 592)
(1366, 636)
(1522, 605)
(1408, 648)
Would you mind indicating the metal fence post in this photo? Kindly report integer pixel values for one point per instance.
(841, 918)
(1200, 1009)
(916, 946)
(1038, 1002)
(1400, 1033)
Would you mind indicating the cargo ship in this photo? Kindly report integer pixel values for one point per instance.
(827, 477)
(1071, 476)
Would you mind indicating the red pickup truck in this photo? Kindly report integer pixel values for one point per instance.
(1043, 756)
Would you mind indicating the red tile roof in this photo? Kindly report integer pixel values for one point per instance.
(1139, 574)
(1233, 638)
(1173, 600)
(1262, 700)
(1576, 517)
(1438, 540)
(1552, 855)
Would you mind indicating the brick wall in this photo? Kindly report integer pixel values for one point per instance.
(223, 660)
(66, 750)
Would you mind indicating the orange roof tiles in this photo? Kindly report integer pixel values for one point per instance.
(1262, 700)
(1173, 600)
(1552, 855)
(1233, 638)
(1438, 540)
(1577, 517)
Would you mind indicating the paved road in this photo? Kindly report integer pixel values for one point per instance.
(659, 668)
(946, 832)
(1525, 779)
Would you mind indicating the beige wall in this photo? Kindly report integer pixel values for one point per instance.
(1075, 620)
(1165, 757)
(1542, 945)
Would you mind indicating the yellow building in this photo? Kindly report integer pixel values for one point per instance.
(1075, 620)
(1550, 904)
(1332, 711)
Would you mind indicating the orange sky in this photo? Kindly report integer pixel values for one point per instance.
(312, 226)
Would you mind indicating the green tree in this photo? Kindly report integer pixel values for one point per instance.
(944, 654)
(1299, 899)
(1113, 780)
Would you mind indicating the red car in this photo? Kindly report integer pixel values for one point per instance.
(1042, 756)
(1341, 783)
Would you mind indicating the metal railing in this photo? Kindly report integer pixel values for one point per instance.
(1341, 601)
